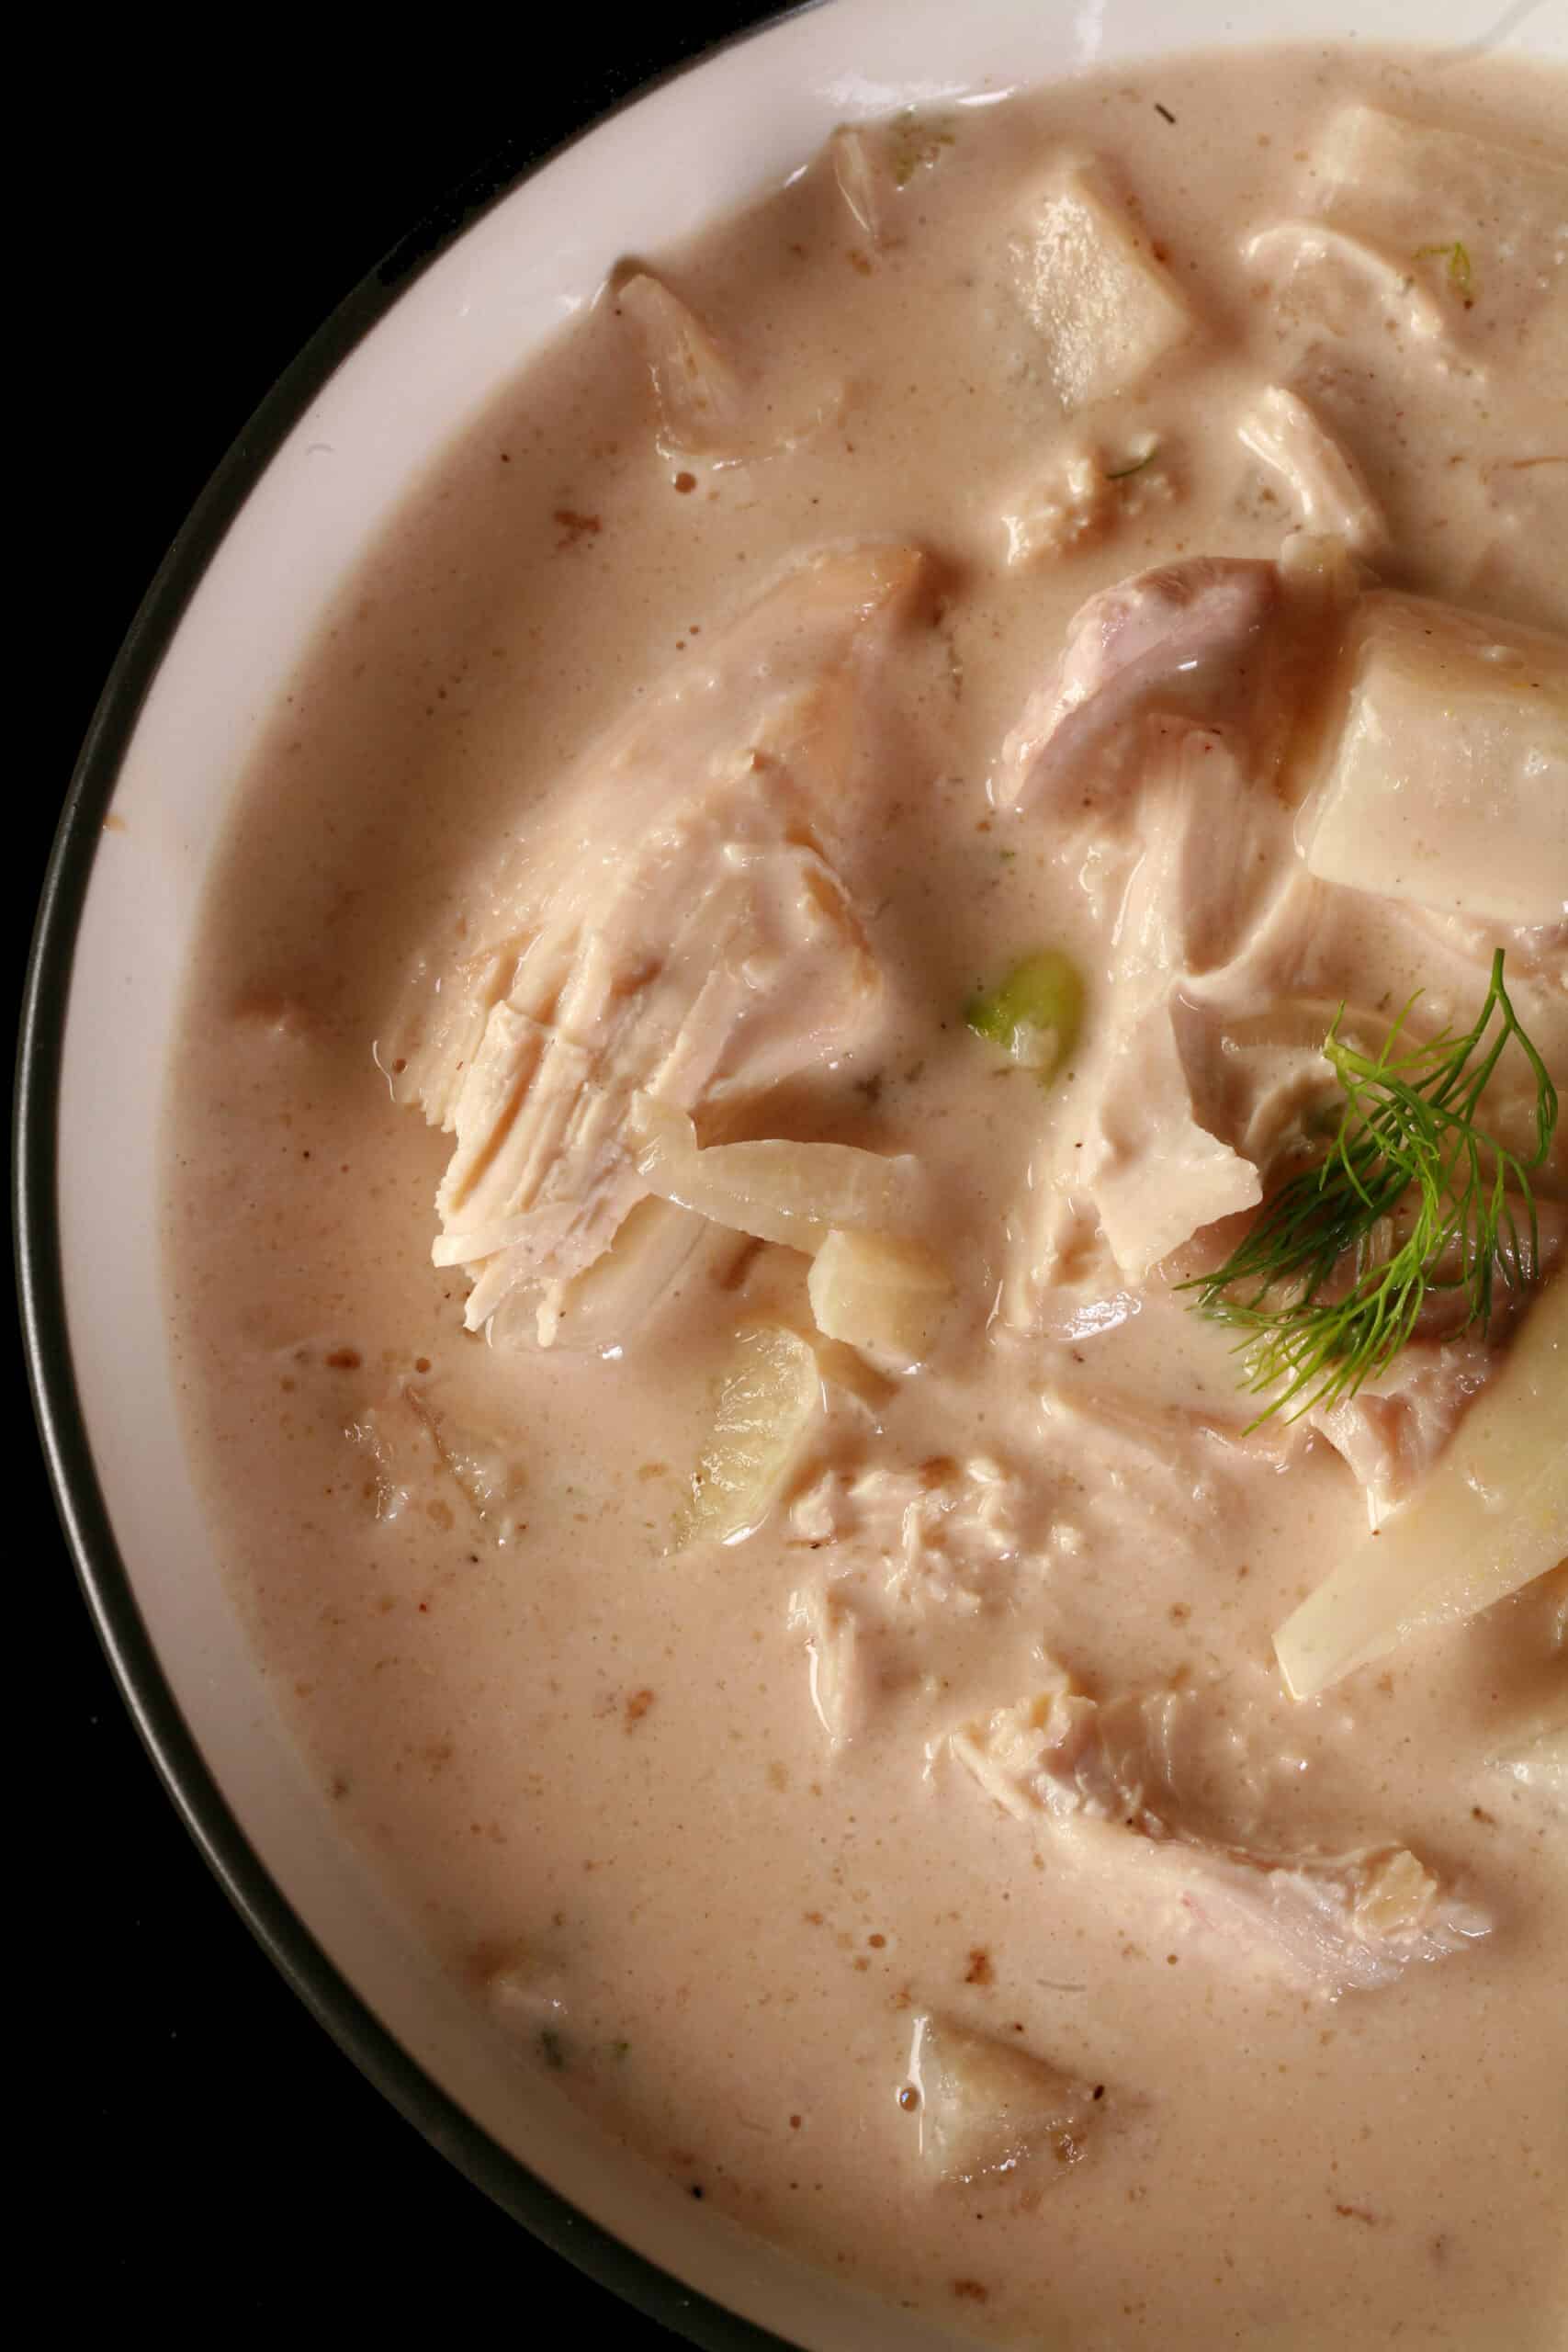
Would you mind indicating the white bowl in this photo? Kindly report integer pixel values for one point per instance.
(185, 707)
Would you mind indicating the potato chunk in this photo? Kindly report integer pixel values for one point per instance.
(881, 1295)
(1484, 227)
(1103, 305)
(987, 2106)
(1493, 1516)
(1447, 772)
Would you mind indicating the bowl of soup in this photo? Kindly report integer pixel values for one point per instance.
(821, 1413)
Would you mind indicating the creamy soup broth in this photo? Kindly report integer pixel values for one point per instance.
(716, 1865)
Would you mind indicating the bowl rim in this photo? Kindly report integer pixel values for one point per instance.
(79, 1501)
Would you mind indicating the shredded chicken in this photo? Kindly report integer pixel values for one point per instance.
(1089, 492)
(945, 1535)
(1141, 755)
(1330, 491)
(1392, 1430)
(1160, 760)
(1101, 1779)
(676, 925)
(1180, 641)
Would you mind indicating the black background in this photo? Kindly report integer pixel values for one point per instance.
(215, 2156)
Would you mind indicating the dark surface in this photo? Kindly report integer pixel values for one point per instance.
(220, 2159)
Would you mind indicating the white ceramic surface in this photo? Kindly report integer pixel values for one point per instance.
(741, 122)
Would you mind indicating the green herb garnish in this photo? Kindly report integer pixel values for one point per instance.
(915, 139)
(1322, 1294)
(1033, 1014)
(1460, 276)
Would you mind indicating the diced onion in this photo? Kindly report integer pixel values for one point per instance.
(791, 1192)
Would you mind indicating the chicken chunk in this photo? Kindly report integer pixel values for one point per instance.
(1129, 1462)
(1490, 1518)
(947, 1538)
(1146, 1151)
(675, 924)
(1183, 642)
(1155, 1172)
(1101, 1781)
(1163, 759)
(1087, 494)
(1392, 1430)
(1067, 1754)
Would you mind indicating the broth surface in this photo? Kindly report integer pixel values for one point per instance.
(702, 1896)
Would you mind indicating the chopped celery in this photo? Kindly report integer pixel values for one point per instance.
(1033, 1014)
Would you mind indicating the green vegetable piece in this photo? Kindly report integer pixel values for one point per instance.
(1322, 1298)
(1034, 1014)
(1461, 274)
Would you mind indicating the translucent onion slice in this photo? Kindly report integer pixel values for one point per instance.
(863, 170)
(1330, 489)
(1493, 1516)
(770, 1402)
(699, 394)
(793, 1193)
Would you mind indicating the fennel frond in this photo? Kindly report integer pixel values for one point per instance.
(1328, 1286)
